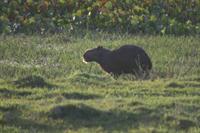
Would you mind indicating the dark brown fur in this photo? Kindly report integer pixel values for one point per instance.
(126, 59)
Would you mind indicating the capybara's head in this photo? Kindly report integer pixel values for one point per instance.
(93, 54)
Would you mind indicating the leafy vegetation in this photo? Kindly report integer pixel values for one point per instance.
(132, 16)
(45, 86)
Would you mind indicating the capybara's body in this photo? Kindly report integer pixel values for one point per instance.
(128, 59)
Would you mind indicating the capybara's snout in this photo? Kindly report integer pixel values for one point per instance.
(86, 57)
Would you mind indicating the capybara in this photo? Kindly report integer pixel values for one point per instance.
(128, 59)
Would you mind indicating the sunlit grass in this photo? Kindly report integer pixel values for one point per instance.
(45, 86)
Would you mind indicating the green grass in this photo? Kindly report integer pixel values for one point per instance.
(45, 86)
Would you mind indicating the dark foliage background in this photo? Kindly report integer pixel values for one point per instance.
(132, 16)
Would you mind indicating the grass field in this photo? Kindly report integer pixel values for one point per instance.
(45, 86)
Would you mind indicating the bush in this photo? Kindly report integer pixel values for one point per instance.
(132, 16)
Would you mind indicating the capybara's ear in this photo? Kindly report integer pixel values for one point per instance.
(99, 47)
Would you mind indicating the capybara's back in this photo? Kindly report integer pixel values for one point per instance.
(131, 59)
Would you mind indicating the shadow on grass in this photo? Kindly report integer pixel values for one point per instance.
(195, 78)
(79, 96)
(9, 93)
(14, 119)
(166, 93)
(80, 115)
(183, 85)
(11, 108)
(33, 81)
(71, 96)
(12, 116)
(174, 85)
(90, 79)
(5, 109)
(193, 85)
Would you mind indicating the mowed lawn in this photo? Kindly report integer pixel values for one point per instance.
(45, 86)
